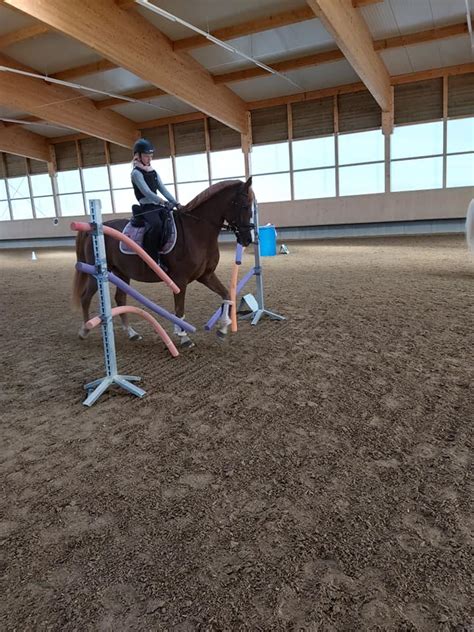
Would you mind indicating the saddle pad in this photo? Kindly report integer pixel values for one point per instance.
(137, 233)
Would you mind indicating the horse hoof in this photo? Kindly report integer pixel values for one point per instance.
(134, 337)
(221, 336)
(83, 333)
(187, 344)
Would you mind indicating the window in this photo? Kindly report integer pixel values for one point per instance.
(365, 153)
(421, 173)
(192, 168)
(411, 141)
(189, 190)
(123, 200)
(18, 188)
(104, 197)
(41, 185)
(4, 208)
(21, 209)
(361, 147)
(44, 206)
(227, 164)
(71, 204)
(43, 201)
(460, 171)
(164, 168)
(20, 199)
(316, 152)
(460, 165)
(319, 183)
(96, 179)
(120, 175)
(362, 179)
(461, 135)
(272, 188)
(408, 170)
(69, 182)
(270, 158)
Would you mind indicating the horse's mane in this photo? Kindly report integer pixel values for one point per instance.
(209, 193)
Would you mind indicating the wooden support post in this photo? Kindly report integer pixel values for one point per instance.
(173, 159)
(30, 187)
(389, 115)
(336, 140)
(246, 143)
(53, 174)
(289, 115)
(3, 164)
(81, 175)
(208, 149)
(445, 131)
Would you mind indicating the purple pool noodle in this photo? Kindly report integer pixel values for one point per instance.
(215, 317)
(88, 269)
(238, 254)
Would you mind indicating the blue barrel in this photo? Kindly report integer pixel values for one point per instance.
(267, 236)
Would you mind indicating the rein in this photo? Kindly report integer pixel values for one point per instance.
(229, 226)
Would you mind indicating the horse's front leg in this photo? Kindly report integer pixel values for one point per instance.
(179, 299)
(211, 281)
(88, 292)
(121, 300)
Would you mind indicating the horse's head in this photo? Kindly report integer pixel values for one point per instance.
(240, 215)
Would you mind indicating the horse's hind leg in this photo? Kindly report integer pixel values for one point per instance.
(121, 300)
(211, 281)
(184, 340)
(88, 292)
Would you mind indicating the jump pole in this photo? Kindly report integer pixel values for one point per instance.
(256, 304)
(96, 388)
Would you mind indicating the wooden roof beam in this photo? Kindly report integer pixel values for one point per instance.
(130, 41)
(21, 142)
(324, 57)
(312, 60)
(61, 105)
(257, 25)
(28, 32)
(353, 37)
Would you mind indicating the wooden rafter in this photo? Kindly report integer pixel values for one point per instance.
(21, 142)
(284, 65)
(313, 95)
(62, 106)
(138, 49)
(353, 37)
(334, 54)
(246, 28)
(257, 25)
(28, 32)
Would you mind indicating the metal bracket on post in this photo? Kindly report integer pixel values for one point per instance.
(96, 388)
(257, 304)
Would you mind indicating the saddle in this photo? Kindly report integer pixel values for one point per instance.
(136, 230)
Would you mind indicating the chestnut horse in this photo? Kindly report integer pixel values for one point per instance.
(194, 257)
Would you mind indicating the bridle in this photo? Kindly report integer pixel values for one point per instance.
(234, 227)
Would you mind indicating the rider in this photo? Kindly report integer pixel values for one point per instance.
(153, 209)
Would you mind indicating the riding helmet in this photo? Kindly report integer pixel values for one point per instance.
(143, 146)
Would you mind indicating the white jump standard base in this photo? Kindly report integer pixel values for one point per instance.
(96, 388)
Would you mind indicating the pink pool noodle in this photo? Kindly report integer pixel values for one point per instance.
(130, 309)
(131, 291)
(116, 234)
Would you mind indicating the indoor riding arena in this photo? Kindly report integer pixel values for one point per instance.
(297, 453)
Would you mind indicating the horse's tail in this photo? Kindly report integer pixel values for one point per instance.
(80, 278)
(470, 226)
